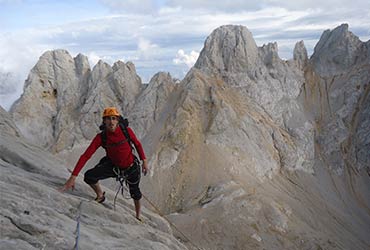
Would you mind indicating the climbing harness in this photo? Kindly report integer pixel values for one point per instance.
(122, 184)
(122, 178)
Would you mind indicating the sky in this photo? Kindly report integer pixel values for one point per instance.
(156, 35)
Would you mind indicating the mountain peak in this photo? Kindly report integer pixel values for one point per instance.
(337, 50)
(229, 48)
(300, 54)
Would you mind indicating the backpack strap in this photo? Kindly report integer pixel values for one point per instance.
(103, 135)
(123, 123)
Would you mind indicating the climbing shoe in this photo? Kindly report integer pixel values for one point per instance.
(100, 199)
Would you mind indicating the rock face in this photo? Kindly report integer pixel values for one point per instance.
(6, 123)
(337, 96)
(248, 151)
(230, 53)
(223, 45)
(152, 102)
(300, 55)
(65, 98)
(34, 215)
(240, 142)
(49, 96)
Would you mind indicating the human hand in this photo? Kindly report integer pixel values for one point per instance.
(145, 168)
(69, 184)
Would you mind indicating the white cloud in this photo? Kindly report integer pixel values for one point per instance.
(7, 83)
(221, 5)
(253, 5)
(161, 7)
(93, 58)
(169, 10)
(127, 6)
(187, 59)
(330, 5)
(9, 89)
(145, 45)
(146, 49)
(18, 54)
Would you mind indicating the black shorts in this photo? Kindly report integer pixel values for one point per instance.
(104, 170)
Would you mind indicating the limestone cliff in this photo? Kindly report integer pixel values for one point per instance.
(337, 95)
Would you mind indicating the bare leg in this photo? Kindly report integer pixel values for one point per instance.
(137, 208)
(97, 189)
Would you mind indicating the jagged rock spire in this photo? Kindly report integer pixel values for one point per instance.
(63, 98)
(300, 55)
(229, 48)
(337, 50)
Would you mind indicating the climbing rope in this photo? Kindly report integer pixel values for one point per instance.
(77, 232)
(78, 220)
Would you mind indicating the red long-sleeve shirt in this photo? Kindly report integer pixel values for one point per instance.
(120, 155)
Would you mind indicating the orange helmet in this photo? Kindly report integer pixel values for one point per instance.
(110, 111)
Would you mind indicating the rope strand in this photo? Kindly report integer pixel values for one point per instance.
(77, 232)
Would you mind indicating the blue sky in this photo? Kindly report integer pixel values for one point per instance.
(156, 35)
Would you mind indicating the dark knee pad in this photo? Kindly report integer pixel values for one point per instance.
(89, 178)
(135, 192)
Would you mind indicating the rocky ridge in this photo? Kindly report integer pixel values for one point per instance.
(64, 97)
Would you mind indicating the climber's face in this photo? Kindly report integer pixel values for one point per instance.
(111, 122)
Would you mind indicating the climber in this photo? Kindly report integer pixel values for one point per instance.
(118, 154)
